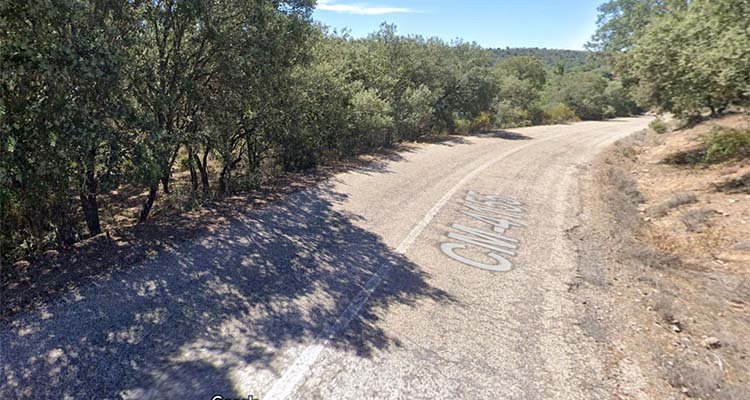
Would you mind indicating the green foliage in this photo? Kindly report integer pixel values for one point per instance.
(519, 84)
(525, 69)
(727, 144)
(583, 92)
(567, 60)
(619, 100)
(659, 126)
(621, 23)
(415, 111)
(372, 120)
(104, 95)
(508, 115)
(558, 113)
(683, 57)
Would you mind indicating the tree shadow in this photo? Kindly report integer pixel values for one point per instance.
(209, 314)
(443, 140)
(503, 134)
(690, 157)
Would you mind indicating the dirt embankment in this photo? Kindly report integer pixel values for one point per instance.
(664, 251)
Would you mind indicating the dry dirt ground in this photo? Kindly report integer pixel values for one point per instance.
(664, 267)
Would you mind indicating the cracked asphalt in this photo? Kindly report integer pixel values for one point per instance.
(345, 290)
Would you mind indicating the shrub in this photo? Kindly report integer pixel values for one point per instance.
(727, 144)
(371, 120)
(609, 112)
(620, 102)
(558, 113)
(659, 126)
(583, 92)
(676, 201)
(482, 122)
(415, 112)
(509, 116)
(464, 126)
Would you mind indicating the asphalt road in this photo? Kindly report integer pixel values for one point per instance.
(441, 272)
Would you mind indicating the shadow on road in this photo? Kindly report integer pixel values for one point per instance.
(212, 314)
(507, 135)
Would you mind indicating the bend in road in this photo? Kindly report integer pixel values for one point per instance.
(342, 291)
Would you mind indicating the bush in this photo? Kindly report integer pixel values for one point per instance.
(558, 113)
(583, 92)
(371, 120)
(509, 116)
(659, 126)
(727, 144)
(415, 112)
(620, 102)
(482, 122)
(609, 112)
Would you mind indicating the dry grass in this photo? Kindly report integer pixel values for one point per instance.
(695, 380)
(673, 202)
(697, 220)
(626, 184)
(683, 230)
(663, 304)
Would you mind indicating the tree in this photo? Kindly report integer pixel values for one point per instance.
(519, 83)
(524, 68)
(621, 22)
(694, 58)
(97, 95)
(175, 58)
(64, 69)
(583, 92)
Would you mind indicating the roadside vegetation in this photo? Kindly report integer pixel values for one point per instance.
(659, 126)
(110, 110)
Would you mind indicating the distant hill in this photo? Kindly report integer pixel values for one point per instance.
(571, 59)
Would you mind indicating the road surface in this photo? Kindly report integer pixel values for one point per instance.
(440, 272)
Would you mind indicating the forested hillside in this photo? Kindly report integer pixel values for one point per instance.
(101, 96)
(551, 58)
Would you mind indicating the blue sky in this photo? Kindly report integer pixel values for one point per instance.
(561, 24)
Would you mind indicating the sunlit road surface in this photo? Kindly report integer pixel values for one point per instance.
(440, 272)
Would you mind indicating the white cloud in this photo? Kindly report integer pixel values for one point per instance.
(359, 8)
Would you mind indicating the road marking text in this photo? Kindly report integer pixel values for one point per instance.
(502, 214)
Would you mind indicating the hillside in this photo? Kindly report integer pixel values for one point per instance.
(550, 57)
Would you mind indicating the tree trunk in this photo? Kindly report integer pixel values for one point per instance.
(63, 224)
(88, 194)
(193, 173)
(149, 202)
(91, 212)
(203, 168)
(226, 170)
(165, 183)
(167, 174)
(223, 180)
(253, 154)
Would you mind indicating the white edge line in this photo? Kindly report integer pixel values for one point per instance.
(293, 376)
